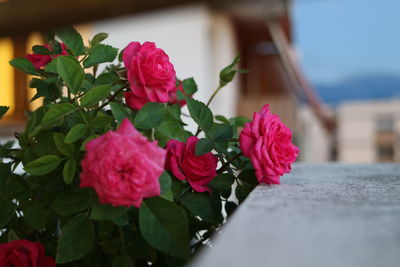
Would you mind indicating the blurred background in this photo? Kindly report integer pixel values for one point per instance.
(329, 68)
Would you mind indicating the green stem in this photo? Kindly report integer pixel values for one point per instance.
(214, 94)
(225, 166)
(111, 98)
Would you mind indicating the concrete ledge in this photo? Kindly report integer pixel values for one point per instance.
(321, 215)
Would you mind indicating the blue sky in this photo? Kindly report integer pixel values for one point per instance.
(341, 38)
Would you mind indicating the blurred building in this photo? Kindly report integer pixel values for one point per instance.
(201, 37)
(369, 131)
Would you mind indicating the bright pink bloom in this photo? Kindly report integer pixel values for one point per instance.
(185, 165)
(268, 143)
(150, 73)
(40, 61)
(24, 253)
(123, 166)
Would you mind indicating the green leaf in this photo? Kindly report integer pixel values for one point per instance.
(122, 261)
(57, 111)
(164, 225)
(173, 128)
(83, 146)
(66, 149)
(223, 184)
(106, 78)
(165, 184)
(228, 73)
(200, 113)
(199, 204)
(57, 49)
(98, 38)
(76, 240)
(69, 171)
(3, 111)
(43, 165)
(106, 212)
(150, 115)
(221, 133)
(222, 119)
(7, 211)
(75, 133)
(52, 66)
(72, 39)
(203, 146)
(101, 121)
(248, 176)
(230, 207)
(71, 72)
(243, 190)
(24, 65)
(189, 86)
(68, 203)
(35, 215)
(240, 121)
(94, 95)
(40, 50)
(118, 111)
(12, 236)
(99, 54)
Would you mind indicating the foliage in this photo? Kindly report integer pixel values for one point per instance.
(45, 203)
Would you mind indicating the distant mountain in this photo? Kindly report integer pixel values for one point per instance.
(374, 86)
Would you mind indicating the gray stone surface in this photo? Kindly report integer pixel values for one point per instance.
(326, 215)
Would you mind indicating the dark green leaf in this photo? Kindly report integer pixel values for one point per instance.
(83, 146)
(221, 133)
(106, 78)
(57, 49)
(240, 121)
(71, 72)
(122, 261)
(69, 171)
(173, 128)
(203, 146)
(66, 149)
(200, 113)
(94, 95)
(222, 119)
(101, 121)
(121, 220)
(52, 66)
(35, 215)
(189, 86)
(243, 190)
(230, 207)
(7, 211)
(24, 65)
(118, 111)
(223, 183)
(98, 38)
(40, 50)
(43, 165)
(150, 115)
(199, 204)
(68, 203)
(76, 240)
(106, 212)
(164, 225)
(165, 184)
(75, 133)
(57, 111)
(100, 53)
(249, 177)
(3, 110)
(72, 39)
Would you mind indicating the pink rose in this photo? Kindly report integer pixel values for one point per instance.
(267, 142)
(123, 166)
(24, 253)
(173, 98)
(150, 73)
(40, 61)
(184, 164)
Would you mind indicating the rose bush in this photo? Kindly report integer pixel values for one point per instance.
(268, 143)
(41, 60)
(24, 253)
(112, 176)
